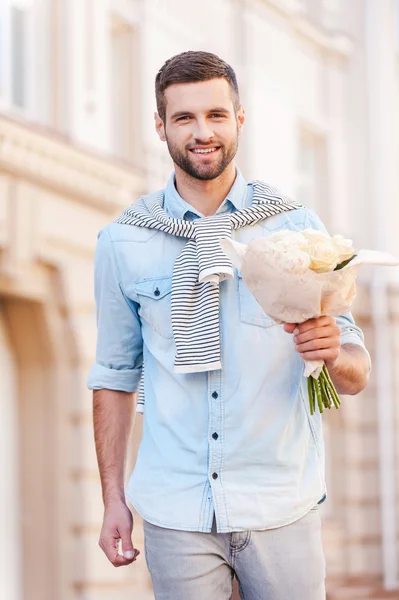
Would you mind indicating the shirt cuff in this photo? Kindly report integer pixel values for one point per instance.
(350, 336)
(122, 380)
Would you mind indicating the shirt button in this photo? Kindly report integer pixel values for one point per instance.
(215, 395)
(215, 436)
(157, 292)
(214, 475)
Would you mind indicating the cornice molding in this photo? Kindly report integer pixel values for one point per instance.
(55, 163)
(336, 44)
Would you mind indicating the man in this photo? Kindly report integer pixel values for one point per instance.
(229, 472)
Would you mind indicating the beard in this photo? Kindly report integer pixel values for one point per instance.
(205, 172)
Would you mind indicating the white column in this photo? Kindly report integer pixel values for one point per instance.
(337, 159)
(383, 181)
(10, 539)
(383, 98)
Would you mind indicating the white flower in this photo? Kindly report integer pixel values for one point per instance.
(289, 250)
(287, 239)
(344, 247)
(324, 256)
(296, 261)
(284, 252)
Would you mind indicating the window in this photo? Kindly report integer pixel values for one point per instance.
(311, 172)
(4, 47)
(16, 55)
(125, 89)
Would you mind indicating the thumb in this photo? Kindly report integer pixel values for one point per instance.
(128, 549)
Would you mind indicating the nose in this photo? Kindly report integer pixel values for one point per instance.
(203, 131)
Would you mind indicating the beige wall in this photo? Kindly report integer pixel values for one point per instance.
(48, 235)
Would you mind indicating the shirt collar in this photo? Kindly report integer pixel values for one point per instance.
(178, 208)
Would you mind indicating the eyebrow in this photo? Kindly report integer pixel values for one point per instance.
(184, 113)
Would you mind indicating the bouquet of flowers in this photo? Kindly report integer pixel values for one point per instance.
(301, 275)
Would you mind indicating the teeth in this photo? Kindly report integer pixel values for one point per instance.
(203, 150)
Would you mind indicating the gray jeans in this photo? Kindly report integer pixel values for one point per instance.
(286, 563)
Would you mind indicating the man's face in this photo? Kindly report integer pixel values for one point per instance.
(201, 127)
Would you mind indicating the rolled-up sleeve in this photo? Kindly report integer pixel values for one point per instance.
(119, 350)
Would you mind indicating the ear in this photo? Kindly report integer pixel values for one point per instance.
(159, 127)
(240, 119)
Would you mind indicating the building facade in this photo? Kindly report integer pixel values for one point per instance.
(320, 83)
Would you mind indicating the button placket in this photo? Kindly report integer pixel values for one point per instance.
(216, 449)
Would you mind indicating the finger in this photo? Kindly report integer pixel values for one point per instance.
(110, 548)
(127, 548)
(121, 561)
(289, 327)
(326, 355)
(319, 332)
(315, 323)
(319, 344)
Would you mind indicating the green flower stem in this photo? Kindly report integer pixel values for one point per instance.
(325, 392)
(322, 390)
(327, 389)
(318, 394)
(333, 391)
(311, 395)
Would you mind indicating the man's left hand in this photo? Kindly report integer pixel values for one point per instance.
(317, 339)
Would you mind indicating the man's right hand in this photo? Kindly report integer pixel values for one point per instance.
(118, 526)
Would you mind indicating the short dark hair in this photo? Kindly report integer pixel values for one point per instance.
(189, 67)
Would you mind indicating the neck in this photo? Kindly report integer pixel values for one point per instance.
(205, 196)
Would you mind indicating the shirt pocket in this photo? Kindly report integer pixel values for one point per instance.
(250, 310)
(154, 299)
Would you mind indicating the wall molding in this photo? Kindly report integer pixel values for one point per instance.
(53, 162)
(335, 44)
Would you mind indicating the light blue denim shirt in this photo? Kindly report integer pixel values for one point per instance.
(238, 443)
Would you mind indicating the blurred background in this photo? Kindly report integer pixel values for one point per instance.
(320, 83)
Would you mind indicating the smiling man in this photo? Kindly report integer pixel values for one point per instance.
(230, 472)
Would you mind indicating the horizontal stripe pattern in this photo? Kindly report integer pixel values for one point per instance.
(199, 269)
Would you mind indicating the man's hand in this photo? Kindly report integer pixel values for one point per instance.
(118, 526)
(320, 339)
(317, 339)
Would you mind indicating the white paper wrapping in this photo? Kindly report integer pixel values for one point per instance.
(291, 298)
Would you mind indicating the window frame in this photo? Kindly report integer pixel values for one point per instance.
(125, 147)
(316, 179)
(7, 103)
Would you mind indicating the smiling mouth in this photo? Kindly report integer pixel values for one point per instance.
(204, 151)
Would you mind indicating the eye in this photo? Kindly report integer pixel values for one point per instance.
(217, 116)
(184, 118)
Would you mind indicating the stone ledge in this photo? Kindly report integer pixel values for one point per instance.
(51, 161)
